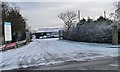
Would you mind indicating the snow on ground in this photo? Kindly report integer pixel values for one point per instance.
(1, 46)
(54, 51)
(114, 65)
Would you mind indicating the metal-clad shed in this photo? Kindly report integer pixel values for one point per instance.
(47, 32)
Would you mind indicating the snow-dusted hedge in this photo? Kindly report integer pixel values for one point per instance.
(100, 32)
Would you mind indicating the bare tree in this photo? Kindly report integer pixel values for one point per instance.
(68, 18)
(11, 13)
(118, 10)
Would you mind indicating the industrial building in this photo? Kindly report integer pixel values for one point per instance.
(47, 33)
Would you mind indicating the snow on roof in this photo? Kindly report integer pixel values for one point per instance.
(48, 30)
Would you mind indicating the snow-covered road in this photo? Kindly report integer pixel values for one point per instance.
(54, 51)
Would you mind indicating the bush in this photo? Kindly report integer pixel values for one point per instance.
(98, 31)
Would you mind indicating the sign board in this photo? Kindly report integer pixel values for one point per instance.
(7, 30)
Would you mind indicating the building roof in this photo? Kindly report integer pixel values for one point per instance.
(47, 30)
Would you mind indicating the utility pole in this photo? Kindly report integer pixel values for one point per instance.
(78, 15)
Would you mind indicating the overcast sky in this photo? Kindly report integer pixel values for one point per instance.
(45, 14)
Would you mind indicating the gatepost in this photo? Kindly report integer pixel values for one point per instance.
(60, 34)
(114, 35)
(28, 39)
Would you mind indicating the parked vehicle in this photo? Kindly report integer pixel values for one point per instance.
(9, 46)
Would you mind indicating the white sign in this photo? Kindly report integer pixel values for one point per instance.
(7, 29)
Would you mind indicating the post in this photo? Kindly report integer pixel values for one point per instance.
(60, 34)
(114, 35)
(1, 36)
(28, 36)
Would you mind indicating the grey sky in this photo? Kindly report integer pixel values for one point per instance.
(44, 14)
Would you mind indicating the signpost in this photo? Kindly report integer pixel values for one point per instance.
(7, 31)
